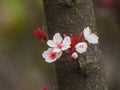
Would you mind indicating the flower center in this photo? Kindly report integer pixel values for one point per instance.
(59, 46)
(53, 55)
(81, 46)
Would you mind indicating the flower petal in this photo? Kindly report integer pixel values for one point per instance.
(74, 55)
(50, 43)
(57, 38)
(45, 54)
(65, 47)
(66, 43)
(57, 50)
(92, 38)
(86, 31)
(81, 47)
(59, 54)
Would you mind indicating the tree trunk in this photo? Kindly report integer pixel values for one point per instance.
(71, 16)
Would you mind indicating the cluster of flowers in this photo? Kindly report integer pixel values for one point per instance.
(72, 45)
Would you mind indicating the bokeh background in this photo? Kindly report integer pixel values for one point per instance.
(21, 64)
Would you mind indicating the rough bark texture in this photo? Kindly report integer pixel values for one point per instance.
(71, 16)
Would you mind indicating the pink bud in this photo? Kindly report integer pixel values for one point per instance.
(74, 55)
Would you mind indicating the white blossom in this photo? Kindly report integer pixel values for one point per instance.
(58, 43)
(50, 55)
(90, 36)
(81, 47)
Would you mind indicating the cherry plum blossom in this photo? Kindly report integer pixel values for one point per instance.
(81, 47)
(58, 43)
(70, 45)
(50, 55)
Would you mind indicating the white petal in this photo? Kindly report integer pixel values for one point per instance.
(59, 54)
(65, 47)
(57, 38)
(50, 43)
(45, 54)
(92, 38)
(66, 43)
(86, 31)
(74, 55)
(57, 50)
(50, 49)
(81, 47)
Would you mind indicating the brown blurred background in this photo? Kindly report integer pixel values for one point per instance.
(21, 64)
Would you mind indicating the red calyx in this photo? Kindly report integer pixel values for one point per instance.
(76, 39)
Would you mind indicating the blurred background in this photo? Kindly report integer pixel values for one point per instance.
(21, 64)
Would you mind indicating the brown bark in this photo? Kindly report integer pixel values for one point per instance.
(71, 16)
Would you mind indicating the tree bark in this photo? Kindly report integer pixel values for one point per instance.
(71, 16)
